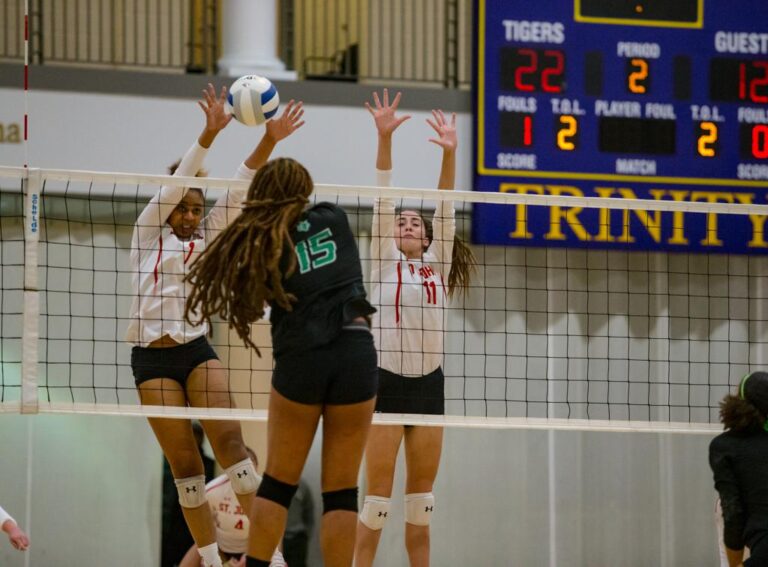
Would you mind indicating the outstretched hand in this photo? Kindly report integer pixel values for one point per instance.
(18, 538)
(384, 114)
(288, 122)
(214, 107)
(446, 132)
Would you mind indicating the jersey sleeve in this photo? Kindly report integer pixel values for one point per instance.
(150, 223)
(726, 484)
(443, 232)
(4, 517)
(228, 206)
(383, 245)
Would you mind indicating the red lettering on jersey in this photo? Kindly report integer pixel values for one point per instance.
(239, 524)
(191, 249)
(412, 268)
(159, 257)
(239, 511)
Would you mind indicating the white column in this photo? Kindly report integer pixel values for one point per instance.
(249, 40)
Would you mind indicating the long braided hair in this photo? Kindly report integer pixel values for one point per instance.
(463, 261)
(241, 269)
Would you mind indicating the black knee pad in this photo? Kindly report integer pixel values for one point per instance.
(344, 499)
(276, 491)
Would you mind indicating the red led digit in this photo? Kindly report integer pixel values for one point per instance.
(524, 70)
(760, 141)
(759, 82)
(555, 72)
(527, 131)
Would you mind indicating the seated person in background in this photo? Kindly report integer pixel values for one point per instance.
(231, 524)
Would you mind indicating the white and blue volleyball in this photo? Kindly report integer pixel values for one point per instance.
(253, 100)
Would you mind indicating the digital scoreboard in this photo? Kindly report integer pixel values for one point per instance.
(649, 99)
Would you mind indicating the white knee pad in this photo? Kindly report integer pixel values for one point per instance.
(418, 508)
(243, 477)
(191, 491)
(375, 512)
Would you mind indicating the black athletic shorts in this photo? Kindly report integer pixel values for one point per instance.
(341, 372)
(400, 394)
(174, 362)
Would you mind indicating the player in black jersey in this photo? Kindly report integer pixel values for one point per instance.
(739, 461)
(304, 263)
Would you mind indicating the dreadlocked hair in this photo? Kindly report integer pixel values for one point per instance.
(241, 269)
(463, 261)
(740, 416)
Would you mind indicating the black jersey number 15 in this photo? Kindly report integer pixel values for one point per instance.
(316, 251)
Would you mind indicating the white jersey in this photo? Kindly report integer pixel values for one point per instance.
(161, 260)
(410, 295)
(231, 522)
(4, 517)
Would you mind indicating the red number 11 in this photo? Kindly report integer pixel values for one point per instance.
(431, 292)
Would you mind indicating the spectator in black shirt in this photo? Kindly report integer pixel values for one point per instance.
(739, 461)
(305, 265)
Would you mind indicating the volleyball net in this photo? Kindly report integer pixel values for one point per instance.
(544, 338)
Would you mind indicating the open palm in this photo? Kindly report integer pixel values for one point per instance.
(384, 114)
(445, 130)
(216, 115)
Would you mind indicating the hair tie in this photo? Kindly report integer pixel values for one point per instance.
(263, 203)
(741, 385)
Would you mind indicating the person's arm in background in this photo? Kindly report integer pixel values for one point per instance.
(734, 516)
(19, 540)
(191, 558)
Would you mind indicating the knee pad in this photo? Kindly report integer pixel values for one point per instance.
(375, 512)
(191, 491)
(243, 477)
(344, 499)
(276, 491)
(418, 508)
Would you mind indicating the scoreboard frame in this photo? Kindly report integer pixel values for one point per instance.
(553, 118)
(482, 115)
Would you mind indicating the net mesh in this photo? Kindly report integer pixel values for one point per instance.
(545, 336)
(11, 290)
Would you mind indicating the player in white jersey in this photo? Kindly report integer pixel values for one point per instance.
(232, 524)
(415, 267)
(172, 362)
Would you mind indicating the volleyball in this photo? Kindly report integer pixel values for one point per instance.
(253, 100)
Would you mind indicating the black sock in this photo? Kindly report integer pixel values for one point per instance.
(253, 562)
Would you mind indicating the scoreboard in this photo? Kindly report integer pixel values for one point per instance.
(651, 99)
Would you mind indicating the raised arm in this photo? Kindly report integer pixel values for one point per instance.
(276, 130)
(150, 223)
(228, 205)
(383, 226)
(444, 221)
